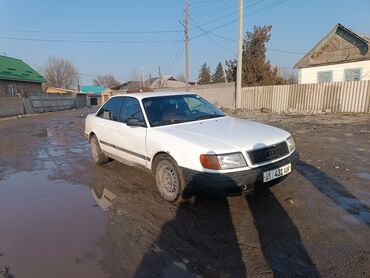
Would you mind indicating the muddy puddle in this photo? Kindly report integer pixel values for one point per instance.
(49, 227)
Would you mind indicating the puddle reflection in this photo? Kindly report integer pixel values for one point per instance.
(48, 227)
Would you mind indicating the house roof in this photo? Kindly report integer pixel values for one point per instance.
(55, 90)
(92, 90)
(15, 69)
(340, 45)
(128, 85)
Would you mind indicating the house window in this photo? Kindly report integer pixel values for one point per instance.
(352, 74)
(12, 90)
(324, 76)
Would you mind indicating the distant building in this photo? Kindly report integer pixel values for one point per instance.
(342, 55)
(166, 82)
(18, 77)
(129, 85)
(94, 94)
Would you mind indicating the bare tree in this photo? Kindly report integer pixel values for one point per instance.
(106, 81)
(60, 72)
(290, 76)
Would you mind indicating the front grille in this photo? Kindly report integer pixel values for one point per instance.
(269, 153)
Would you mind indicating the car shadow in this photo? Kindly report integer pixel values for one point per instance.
(200, 240)
(335, 192)
(280, 240)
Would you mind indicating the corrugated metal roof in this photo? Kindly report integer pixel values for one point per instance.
(92, 89)
(54, 90)
(15, 69)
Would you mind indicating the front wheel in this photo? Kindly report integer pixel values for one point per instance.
(168, 178)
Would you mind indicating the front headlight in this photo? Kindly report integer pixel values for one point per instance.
(291, 144)
(223, 162)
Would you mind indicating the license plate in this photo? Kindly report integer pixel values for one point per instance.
(277, 173)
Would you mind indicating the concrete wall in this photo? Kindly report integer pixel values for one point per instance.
(10, 106)
(20, 85)
(309, 75)
(39, 102)
(220, 94)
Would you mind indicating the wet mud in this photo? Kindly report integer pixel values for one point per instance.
(63, 216)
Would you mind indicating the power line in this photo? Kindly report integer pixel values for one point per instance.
(213, 11)
(88, 32)
(175, 59)
(176, 47)
(208, 35)
(286, 51)
(232, 13)
(204, 3)
(234, 20)
(87, 41)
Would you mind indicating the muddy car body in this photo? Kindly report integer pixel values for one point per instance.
(189, 145)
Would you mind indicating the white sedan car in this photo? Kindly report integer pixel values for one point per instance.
(189, 145)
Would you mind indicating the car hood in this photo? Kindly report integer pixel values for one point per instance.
(226, 134)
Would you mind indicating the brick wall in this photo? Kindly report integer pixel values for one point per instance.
(21, 86)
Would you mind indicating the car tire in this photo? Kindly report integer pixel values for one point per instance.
(96, 152)
(169, 179)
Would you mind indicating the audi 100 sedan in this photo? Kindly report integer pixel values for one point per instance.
(189, 145)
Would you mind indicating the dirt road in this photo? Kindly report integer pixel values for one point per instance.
(62, 216)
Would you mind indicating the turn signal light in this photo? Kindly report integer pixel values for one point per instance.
(210, 162)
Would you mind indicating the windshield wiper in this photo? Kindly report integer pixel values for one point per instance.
(168, 122)
(204, 117)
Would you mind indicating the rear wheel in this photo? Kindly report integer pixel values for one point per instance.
(97, 154)
(169, 179)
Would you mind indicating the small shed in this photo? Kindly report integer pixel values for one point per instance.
(94, 94)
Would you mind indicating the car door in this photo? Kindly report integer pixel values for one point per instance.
(108, 124)
(132, 138)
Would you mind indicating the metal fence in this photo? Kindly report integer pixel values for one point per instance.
(334, 97)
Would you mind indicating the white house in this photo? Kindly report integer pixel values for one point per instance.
(342, 55)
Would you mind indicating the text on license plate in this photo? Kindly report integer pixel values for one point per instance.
(276, 173)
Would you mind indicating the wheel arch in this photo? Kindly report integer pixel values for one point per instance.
(157, 155)
(91, 134)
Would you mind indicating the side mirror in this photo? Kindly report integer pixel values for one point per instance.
(135, 122)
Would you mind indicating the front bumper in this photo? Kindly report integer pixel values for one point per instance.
(234, 183)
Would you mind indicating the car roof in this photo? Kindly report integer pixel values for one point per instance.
(154, 94)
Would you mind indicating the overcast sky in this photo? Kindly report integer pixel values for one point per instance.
(119, 37)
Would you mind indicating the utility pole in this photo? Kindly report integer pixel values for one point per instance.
(159, 77)
(187, 43)
(238, 93)
(142, 77)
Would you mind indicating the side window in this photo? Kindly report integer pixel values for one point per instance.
(111, 110)
(12, 90)
(131, 109)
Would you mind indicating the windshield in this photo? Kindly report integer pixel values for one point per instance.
(166, 110)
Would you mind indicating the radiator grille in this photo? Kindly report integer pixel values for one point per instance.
(269, 153)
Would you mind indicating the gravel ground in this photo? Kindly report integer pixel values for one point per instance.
(64, 216)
